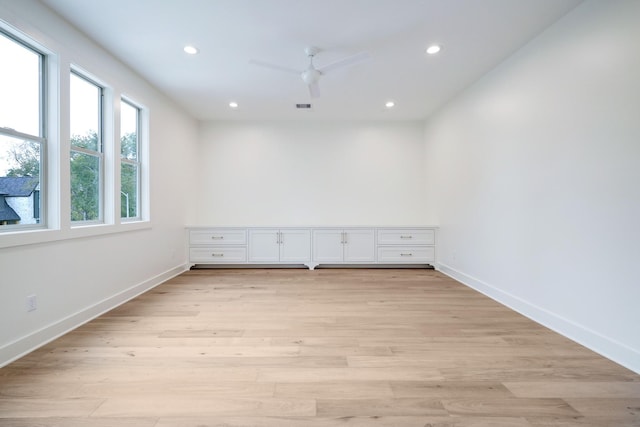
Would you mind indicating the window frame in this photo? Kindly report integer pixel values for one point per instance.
(136, 163)
(100, 154)
(41, 140)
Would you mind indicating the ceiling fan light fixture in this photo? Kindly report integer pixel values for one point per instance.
(389, 104)
(233, 105)
(433, 49)
(310, 76)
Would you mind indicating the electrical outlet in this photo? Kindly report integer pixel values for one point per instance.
(32, 303)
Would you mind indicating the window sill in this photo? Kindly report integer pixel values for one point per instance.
(33, 237)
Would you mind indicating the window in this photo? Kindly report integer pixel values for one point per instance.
(22, 139)
(33, 183)
(87, 160)
(129, 161)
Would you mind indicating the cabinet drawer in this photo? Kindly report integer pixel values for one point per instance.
(218, 236)
(406, 236)
(406, 254)
(218, 255)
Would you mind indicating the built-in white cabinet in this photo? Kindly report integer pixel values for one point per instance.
(312, 246)
(340, 246)
(273, 246)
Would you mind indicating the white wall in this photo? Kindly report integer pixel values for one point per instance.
(310, 173)
(76, 278)
(535, 172)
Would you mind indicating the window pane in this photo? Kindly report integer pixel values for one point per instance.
(19, 181)
(129, 192)
(85, 113)
(19, 87)
(85, 187)
(128, 131)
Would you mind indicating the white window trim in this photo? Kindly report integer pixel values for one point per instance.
(142, 142)
(31, 237)
(99, 153)
(44, 92)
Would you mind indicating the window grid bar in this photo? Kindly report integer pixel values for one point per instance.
(87, 151)
(19, 135)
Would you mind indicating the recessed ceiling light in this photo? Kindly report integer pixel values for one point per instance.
(233, 104)
(191, 50)
(389, 104)
(433, 49)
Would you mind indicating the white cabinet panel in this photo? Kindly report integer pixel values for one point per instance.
(359, 246)
(328, 246)
(295, 246)
(264, 246)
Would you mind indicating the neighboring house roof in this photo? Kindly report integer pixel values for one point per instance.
(18, 186)
(6, 212)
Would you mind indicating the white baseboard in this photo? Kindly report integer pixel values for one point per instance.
(611, 349)
(22, 346)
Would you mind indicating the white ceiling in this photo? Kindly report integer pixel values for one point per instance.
(149, 35)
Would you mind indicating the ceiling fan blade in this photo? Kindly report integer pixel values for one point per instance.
(350, 60)
(314, 90)
(274, 66)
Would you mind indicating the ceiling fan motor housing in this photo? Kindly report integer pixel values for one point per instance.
(311, 51)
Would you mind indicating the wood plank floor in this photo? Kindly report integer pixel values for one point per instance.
(285, 348)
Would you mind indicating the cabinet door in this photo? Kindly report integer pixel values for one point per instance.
(263, 246)
(295, 246)
(359, 246)
(327, 246)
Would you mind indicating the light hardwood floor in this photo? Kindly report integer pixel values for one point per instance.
(286, 348)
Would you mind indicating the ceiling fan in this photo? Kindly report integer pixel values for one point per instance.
(311, 75)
